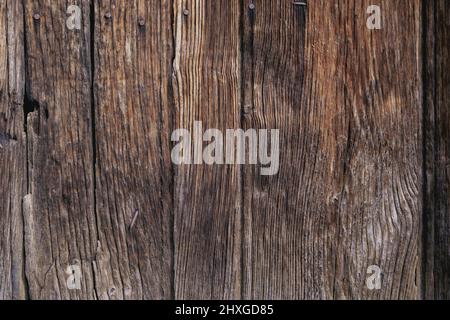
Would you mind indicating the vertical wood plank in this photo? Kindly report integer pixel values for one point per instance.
(60, 226)
(13, 175)
(132, 84)
(348, 103)
(437, 148)
(207, 229)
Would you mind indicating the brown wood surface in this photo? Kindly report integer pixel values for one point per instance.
(348, 192)
(437, 150)
(86, 177)
(133, 119)
(13, 175)
(59, 216)
(207, 198)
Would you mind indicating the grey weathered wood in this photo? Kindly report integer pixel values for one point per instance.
(13, 176)
(437, 149)
(132, 85)
(348, 102)
(207, 230)
(59, 221)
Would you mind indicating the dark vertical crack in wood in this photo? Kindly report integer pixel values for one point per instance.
(247, 78)
(242, 103)
(26, 101)
(173, 121)
(94, 141)
(26, 111)
(93, 121)
(425, 211)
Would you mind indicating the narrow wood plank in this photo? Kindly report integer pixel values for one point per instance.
(13, 175)
(132, 83)
(207, 229)
(60, 225)
(437, 147)
(348, 103)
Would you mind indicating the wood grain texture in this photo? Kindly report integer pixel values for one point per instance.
(207, 212)
(132, 84)
(86, 177)
(13, 175)
(437, 150)
(59, 220)
(348, 192)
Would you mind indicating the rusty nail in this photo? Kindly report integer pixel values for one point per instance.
(186, 12)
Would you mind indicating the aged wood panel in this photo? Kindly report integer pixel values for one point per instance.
(132, 84)
(13, 175)
(60, 225)
(88, 181)
(348, 102)
(207, 231)
(437, 147)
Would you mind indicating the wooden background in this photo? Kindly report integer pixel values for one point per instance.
(86, 177)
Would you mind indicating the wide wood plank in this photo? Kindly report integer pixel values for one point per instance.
(60, 225)
(207, 230)
(133, 56)
(349, 106)
(13, 174)
(437, 148)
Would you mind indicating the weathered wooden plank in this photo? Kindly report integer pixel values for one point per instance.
(13, 175)
(437, 148)
(348, 103)
(132, 84)
(60, 225)
(207, 212)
